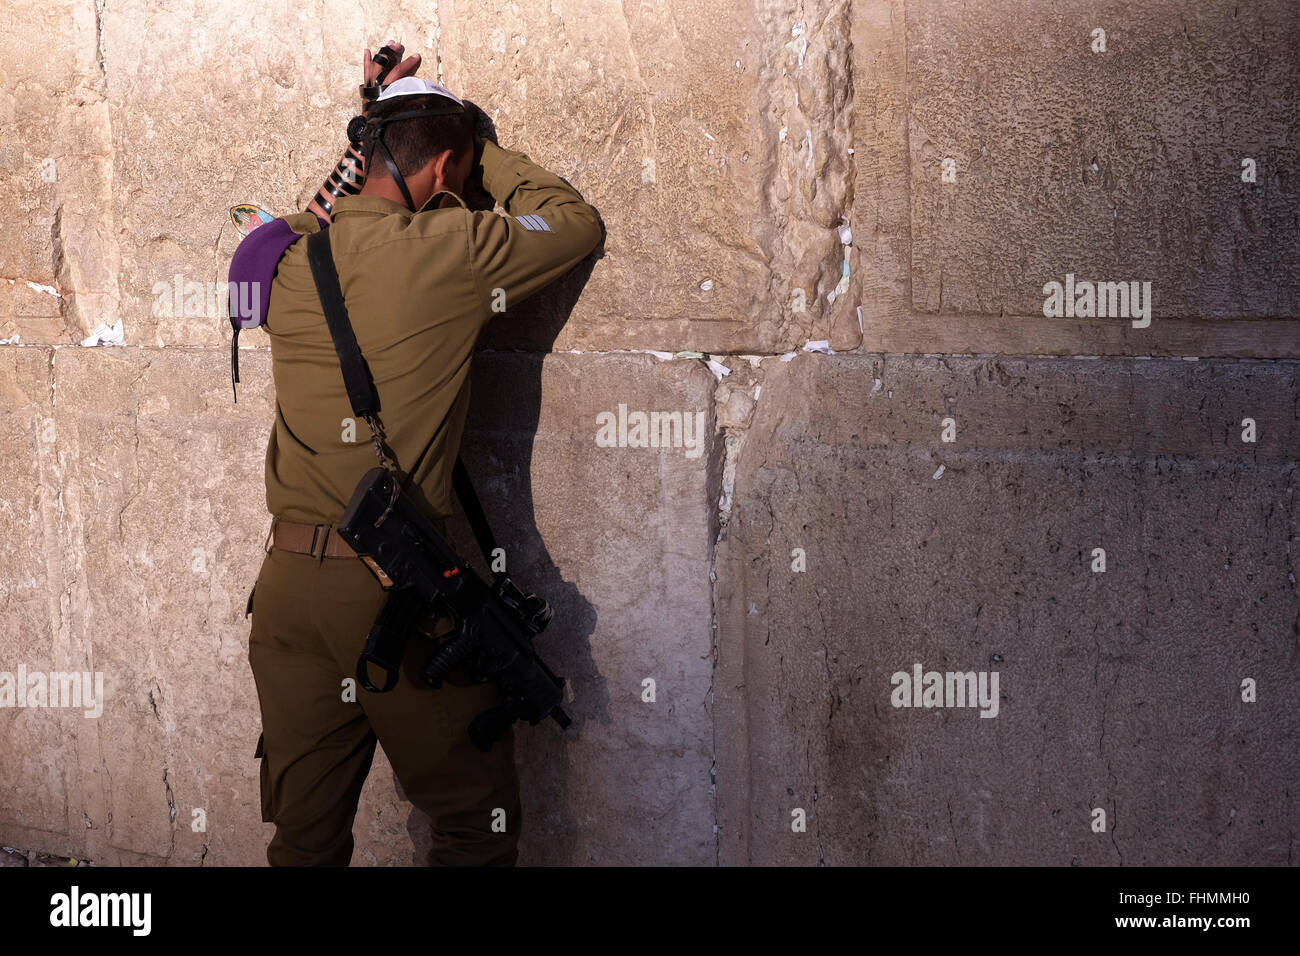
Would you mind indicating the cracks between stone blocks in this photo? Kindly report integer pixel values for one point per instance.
(1291, 542)
(171, 805)
(437, 42)
(748, 353)
(796, 187)
(1110, 773)
(733, 436)
(952, 828)
(67, 266)
(58, 255)
(99, 38)
(155, 694)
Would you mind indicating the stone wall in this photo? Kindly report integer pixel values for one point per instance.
(850, 208)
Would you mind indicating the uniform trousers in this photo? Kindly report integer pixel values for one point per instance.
(311, 617)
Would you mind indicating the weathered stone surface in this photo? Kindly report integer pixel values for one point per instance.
(716, 148)
(618, 540)
(164, 516)
(36, 742)
(629, 106)
(764, 169)
(59, 263)
(263, 122)
(154, 523)
(1116, 165)
(1117, 690)
(976, 84)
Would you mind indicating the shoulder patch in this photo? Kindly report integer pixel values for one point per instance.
(534, 222)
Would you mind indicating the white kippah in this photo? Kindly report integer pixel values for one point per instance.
(414, 86)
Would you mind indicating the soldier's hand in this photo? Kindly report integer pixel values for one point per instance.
(370, 69)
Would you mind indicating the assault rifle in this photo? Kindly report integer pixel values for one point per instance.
(385, 525)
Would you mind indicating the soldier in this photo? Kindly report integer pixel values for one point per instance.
(421, 274)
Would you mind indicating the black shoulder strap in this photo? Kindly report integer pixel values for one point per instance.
(356, 374)
(360, 386)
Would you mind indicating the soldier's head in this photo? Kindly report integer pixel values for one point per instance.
(431, 152)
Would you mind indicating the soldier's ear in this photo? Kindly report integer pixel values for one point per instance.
(445, 163)
(444, 167)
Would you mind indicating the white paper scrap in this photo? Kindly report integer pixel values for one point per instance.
(106, 335)
(818, 345)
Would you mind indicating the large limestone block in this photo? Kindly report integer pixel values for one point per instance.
(259, 117)
(1013, 94)
(715, 147)
(58, 263)
(1118, 690)
(1125, 164)
(36, 742)
(164, 518)
(618, 540)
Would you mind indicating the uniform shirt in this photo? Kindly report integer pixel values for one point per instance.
(419, 288)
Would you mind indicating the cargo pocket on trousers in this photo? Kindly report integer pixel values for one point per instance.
(268, 812)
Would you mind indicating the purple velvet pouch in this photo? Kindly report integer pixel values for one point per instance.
(252, 270)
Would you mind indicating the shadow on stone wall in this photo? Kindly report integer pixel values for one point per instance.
(498, 452)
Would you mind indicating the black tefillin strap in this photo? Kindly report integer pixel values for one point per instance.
(364, 398)
(234, 348)
(385, 59)
(375, 136)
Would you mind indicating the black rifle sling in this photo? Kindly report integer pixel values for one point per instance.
(356, 374)
(473, 509)
(360, 386)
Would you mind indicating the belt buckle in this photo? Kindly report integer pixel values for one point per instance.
(317, 537)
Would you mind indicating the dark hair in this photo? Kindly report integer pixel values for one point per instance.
(413, 142)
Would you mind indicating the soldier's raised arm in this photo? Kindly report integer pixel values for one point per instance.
(548, 230)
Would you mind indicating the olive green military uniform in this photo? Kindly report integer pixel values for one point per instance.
(419, 287)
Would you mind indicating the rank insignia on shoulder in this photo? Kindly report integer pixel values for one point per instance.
(534, 222)
(248, 216)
